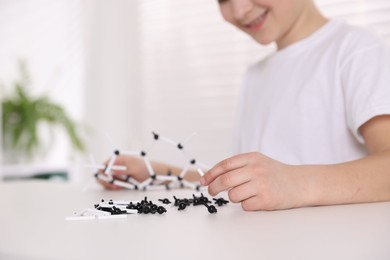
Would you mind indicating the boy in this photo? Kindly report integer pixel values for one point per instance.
(313, 125)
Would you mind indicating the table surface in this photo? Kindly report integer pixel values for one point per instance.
(33, 226)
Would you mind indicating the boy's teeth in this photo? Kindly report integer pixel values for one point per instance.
(258, 20)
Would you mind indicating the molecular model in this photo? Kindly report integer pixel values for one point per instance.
(122, 208)
(154, 182)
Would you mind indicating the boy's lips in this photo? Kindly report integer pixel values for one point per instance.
(257, 23)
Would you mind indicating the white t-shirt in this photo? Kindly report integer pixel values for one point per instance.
(304, 104)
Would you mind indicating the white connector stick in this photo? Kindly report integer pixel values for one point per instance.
(184, 171)
(95, 212)
(145, 183)
(203, 188)
(189, 184)
(133, 181)
(157, 182)
(102, 167)
(169, 141)
(107, 205)
(130, 153)
(166, 178)
(121, 216)
(201, 173)
(148, 166)
(110, 164)
(124, 184)
(185, 155)
(124, 202)
(174, 184)
(103, 177)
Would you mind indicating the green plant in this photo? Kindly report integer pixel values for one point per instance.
(22, 114)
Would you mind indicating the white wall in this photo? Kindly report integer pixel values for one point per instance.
(48, 36)
(114, 100)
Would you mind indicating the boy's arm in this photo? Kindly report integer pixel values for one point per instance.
(363, 180)
(260, 183)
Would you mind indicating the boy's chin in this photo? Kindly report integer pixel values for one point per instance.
(263, 40)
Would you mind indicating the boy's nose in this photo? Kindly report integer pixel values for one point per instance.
(241, 8)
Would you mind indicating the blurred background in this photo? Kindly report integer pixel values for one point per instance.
(122, 69)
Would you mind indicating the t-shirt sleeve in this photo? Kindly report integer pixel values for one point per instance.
(365, 76)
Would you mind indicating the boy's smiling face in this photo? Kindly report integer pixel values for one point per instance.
(280, 21)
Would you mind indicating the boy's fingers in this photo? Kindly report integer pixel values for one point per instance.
(222, 167)
(227, 181)
(250, 204)
(242, 192)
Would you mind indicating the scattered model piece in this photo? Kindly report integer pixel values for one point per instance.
(118, 209)
(195, 201)
(165, 201)
(220, 201)
(114, 209)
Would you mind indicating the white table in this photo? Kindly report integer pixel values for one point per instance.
(33, 226)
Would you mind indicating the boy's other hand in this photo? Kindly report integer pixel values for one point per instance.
(135, 168)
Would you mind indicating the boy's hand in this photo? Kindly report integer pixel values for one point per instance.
(135, 167)
(256, 181)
